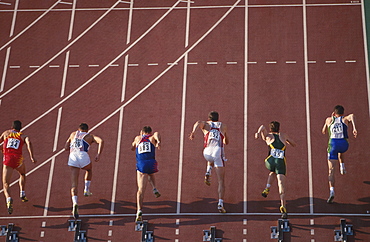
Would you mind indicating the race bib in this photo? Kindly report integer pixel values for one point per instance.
(13, 143)
(214, 134)
(77, 143)
(276, 153)
(144, 147)
(337, 128)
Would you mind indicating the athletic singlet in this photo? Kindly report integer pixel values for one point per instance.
(338, 129)
(214, 137)
(145, 150)
(277, 148)
(78, 143)
(13, 143)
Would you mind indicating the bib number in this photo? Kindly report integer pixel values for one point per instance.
(338, 128)
(214, 134)
(13, 143)
(144, 147)
(77, 143)
(276, 153)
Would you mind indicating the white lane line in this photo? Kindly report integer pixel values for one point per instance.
(65, 71)
(6, 63)
(42, 234)
(153, 64)
(60, 52)
(271, 62)
(169, 64)
(34, 66)
(68, 3)
(110, 222)
(43, 224)
(134, 64)
(28, 27)
(48, 190)
(110, 233)
(350, 61)
(212, 63)
(124, 79)
(251, 62)
(330, 61)
(74, 66)
(94, 65)
(57, 128)
(364, 24)
(308, 117)
(138, 93)
(14, 67)
(245, 142)
(183, 113)
(14, 18)
(177, 232)
(311, 62)
(291, 62)
(54, 66)
(114, 65)
(4, 3)
(231, 63)
(192, 63)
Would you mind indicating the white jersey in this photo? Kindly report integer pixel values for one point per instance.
(78, 143)
(214, 137)
(338, 129)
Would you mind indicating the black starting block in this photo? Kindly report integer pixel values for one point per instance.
(11, 236)
(277, 232)
(146, 236)
(75, 226)
(210, 235)
(345, 230)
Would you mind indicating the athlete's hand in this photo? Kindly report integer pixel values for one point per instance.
(256, 135)
(97, 157)
(191, 136)
(33, 160)
(355, 133)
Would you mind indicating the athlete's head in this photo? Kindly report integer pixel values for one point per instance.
(83, 127)
(17, 125)
(339, 110)
(213, 116)
(146, 130)
(274, 126)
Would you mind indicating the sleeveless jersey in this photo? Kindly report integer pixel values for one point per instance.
(338, 129)
(78, 143)
(277, 148)
(13, 143)
(214, 137)
(145, 150)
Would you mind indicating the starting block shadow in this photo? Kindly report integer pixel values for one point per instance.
(210, 235)
(277, 232)
(146, 236)
(345, 230)
(11, 236)
(75, 226)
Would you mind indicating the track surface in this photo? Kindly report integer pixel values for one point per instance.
(119, 66)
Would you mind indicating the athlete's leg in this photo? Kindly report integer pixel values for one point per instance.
(22, 177)
(341, 163)
(75, 172)
(270, 179)
(151, 179)
(331, 166)
(220, 171)
(281, 184)
(142, 180)
(88, 177)
(7, 175)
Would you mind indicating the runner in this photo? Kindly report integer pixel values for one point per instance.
(13, 160)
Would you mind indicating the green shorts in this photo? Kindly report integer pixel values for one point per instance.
(276, 165)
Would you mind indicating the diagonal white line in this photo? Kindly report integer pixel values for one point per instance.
(60, 52)
(29, 26)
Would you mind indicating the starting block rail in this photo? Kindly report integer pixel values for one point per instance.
(277, 232)
(75, 226)
(210, 235)
(146, 236)
(11, 236)
(345, 230)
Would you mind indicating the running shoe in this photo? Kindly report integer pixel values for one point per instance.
(221, 208)
(87, 193)
(156, 193)
(331, 197)
(265, 192)
(9, 205)
(284, 214)
(24, 199)
(343, 170)
(139, 216)
(75, 211)
(207, 179)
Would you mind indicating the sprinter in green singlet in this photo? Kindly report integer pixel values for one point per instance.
(275, 161)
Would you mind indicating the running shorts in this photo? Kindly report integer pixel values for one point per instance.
(79, 159)
(336, 146)
(214, 154)
(13, 160)
(147, 166)
(276, 165)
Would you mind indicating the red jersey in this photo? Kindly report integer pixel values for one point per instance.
(13, 144)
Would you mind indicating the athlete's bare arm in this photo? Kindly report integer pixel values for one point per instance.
(156, 140)
(326, 124)
(30, 148)
(134, 143)
(226, 136)
(261, 132)
(198, 124)
(68, 142)
(351, 119)
(100, 143)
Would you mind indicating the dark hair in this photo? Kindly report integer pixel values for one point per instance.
(339, 109)
(17, 125)
(274, 126)
(213, 116)
(84, 127)
(147, 129)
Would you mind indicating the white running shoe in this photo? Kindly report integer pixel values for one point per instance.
(87, 193)
(343, 170)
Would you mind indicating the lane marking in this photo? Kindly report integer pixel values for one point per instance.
(192, 63)
(54, 66)
(34, 66)
(29, 26)
(169, 64)
(271, 62)
(350, 61)
(212, 63)
(308, 117)
(291, 62)
(4, 3)
(110, 222)
(311, 62)
(244, 231)
(68, 3)
(48, 190)
(74, 66)
(6, 63)
(94, 65)
(177, 232)
(152, 64)
(64, 77)
(42, 234)
(366, 53)
(110, 233)
(330, 61)
(231, 63)
(14, 67)
(251, 62)
(133, 64)
(57, 128)
(43, 224)
(245, 110)
(244, 221)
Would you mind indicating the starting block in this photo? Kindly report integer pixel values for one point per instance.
(345, 230)
(277, 232)
(11, 236)
(75, 226)
(146, 236)
(210, 235)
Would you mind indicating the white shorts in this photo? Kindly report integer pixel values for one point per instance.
(79, 159)
(215, 155)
